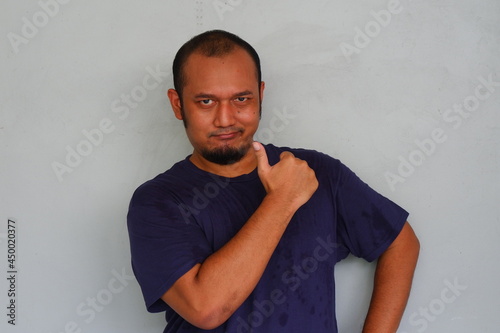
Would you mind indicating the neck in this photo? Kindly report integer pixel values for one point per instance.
(244, 166)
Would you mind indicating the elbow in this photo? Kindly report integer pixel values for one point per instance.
(209, 318)
(206, 322)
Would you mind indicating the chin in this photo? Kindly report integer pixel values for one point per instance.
(225, 155)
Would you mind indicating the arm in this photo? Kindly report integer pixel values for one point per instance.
(393, 278)
(209, 293)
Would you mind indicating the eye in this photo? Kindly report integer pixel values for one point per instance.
(241, 99)
(206, 102)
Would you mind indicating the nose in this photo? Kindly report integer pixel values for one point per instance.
(224, 116)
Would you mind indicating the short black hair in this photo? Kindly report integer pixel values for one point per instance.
(212, 43)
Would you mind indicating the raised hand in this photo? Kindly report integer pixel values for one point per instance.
(290, 180)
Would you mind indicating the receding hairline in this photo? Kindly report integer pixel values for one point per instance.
(214, 43)
(234, 49)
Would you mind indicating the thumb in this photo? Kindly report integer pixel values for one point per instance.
(262, 161)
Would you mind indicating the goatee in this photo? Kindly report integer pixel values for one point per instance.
(225, 155)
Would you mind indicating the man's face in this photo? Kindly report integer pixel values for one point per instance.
(220, 105)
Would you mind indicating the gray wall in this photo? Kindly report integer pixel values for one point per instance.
(405, 93)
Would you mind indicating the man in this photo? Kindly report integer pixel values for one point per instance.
(242, 237)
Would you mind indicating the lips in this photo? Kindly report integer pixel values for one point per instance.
(227, 136)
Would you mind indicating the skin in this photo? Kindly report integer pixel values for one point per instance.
(221, 107)
(392, 285)
(221, 104)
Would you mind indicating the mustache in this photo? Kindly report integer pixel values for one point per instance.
(226, 131)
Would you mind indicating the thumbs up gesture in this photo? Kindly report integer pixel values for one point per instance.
(290, 180)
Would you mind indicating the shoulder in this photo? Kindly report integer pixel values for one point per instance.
(316, 160)
(163, 184)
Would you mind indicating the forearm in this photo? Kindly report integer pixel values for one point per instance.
(230, 274)
(219, 285)
(392, 284)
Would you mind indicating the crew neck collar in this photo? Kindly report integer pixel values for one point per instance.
(242, 178)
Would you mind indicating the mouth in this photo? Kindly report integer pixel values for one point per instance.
(226, 135)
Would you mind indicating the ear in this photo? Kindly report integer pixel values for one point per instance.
(261, 91)
(175, 102)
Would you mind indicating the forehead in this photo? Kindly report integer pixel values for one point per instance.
(198, 66)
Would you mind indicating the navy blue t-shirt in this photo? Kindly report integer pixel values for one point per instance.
(182, 216)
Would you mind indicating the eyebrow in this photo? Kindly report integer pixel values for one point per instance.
(211, 96)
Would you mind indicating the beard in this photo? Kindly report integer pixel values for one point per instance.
(225, 155)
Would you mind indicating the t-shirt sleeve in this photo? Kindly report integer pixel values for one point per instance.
(164, 245)
(367, 221)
